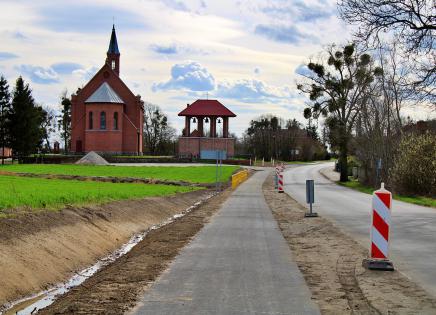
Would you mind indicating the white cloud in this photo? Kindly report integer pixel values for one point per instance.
(154, 36)
(86, 74)
(252, 91)
(190, 76)
(39, 74)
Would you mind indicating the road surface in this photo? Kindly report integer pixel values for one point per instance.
(238, 264)
(413, 234)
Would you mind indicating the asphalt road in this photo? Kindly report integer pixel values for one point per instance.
(413, 231)
(238, 264)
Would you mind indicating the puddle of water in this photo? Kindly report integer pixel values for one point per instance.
(30, 305)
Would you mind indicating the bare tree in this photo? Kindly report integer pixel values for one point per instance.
(271, 137)
(379, 123)
(412, 24)
(157, 131)
(337, 90)
(64, 120)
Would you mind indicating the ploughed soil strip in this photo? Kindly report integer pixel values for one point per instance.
(117, 287)
(331, 263)
(110, 179)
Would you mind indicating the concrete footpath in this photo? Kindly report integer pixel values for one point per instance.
(238, 264)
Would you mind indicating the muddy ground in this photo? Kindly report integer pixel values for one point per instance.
(331, 263)
(40, 249)
(116, 288)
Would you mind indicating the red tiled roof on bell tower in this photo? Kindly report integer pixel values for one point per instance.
(207, 108)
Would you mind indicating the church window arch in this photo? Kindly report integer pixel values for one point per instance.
(116, 121)
(102, 120)
(91, 121)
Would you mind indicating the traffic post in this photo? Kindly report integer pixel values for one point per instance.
(310, 198)
(280, 188)
(276, 178)
(380, 227)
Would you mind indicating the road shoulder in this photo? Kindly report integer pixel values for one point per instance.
(331, 264)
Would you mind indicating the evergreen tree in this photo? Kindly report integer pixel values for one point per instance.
(24, 121)
(5, 107)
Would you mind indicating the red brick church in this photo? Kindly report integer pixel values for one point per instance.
(106, 116)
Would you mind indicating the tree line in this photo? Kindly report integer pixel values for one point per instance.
(271, 137)
(359, 90)
(24, 125)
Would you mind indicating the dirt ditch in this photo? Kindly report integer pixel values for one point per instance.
(115, 288)
(331, 263)
(41, 249)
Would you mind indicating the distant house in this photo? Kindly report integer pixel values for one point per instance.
(105, 115)
(421, 127)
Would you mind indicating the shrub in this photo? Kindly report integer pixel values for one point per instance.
(414, 169)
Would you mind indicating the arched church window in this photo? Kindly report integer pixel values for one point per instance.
(115, 121)
(102, 120)
(113, 64)
(91, 121)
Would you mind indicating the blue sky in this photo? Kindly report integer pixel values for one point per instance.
(246, 53)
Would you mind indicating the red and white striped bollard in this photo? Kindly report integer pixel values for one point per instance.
(280, 189)
(381, 222)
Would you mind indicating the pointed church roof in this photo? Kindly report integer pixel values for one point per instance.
(113, 44)
(104, 94)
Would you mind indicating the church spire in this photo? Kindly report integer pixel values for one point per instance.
(113, 44)
(113, 54)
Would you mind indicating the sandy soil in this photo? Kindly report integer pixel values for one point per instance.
(40, 249)
(331, 263)
(116, 288)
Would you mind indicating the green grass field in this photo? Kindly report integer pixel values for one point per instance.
(418, 200)
(53, 194)
(193, 174)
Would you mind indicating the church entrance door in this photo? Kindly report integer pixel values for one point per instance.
(79, 146)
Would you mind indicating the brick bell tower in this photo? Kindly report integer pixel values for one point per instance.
(113, 54)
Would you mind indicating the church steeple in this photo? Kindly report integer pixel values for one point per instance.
(113, 53)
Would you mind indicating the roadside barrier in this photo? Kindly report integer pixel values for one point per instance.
(281, 182)
(276, 178)
(381, 221)
(238, 178)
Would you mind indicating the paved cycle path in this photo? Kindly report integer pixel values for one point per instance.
(239, 263)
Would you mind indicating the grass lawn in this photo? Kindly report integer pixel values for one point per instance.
(194, 174)
(144, 156)
(418, 200)
(53, 194)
